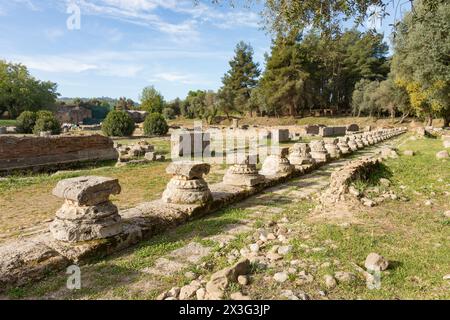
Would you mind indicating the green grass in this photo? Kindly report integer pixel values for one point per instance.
(7, 123)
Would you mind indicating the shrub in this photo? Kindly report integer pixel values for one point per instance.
(168, 113)
(155, 124)
(118, 124)
(46, 121)
(26, 121)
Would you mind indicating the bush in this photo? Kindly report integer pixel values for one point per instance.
(155, 124)
(168, 113)
(46, 121)
(26, 122)
(118, 124)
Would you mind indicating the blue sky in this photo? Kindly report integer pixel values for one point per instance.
(125, 45)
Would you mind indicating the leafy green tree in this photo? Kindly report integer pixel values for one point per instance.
(242, 76)
(172, 109)
(19, 91)
(421, 63)
(152, 100)
(285, 82)
(327, 16)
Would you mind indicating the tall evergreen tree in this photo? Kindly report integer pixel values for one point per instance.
(284, 83)
(241, 79)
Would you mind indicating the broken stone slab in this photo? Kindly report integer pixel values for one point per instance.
(277, 163)
(87, 190)
(189, 169)
(221, 279)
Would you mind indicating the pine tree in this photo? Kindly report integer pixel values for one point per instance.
(284, 82)
(241, 79)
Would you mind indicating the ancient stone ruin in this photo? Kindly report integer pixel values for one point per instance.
(332, 148)
(187, 185)
(89, 225)
(53, 153)
(277, 163)
(87, 212)
(343, 145)
(301, 155)
(318, 151)
(243, 173)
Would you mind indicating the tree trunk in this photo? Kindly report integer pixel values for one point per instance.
(429, 120)
(447, 121)
(404, 116)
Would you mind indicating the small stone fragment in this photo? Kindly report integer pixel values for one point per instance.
(280, 277)
(376, 262)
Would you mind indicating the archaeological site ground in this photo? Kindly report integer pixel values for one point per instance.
(311, 165)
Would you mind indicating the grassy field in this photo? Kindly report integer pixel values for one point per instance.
(7, 122)
(414, 237)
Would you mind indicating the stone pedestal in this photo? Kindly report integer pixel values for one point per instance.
(301, 155)
(343, 145)
(369, 138)
(332, 148)
(352, 143)
(277, 163)
(318, 151)
(87, 213)
(364, 141)
(243, 173)
(187, 185)
(359, 142)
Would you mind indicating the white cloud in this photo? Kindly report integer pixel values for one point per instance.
(180, 78)
(54, 63)
(53, 34)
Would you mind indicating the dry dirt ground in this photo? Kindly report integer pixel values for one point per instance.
(412, 232)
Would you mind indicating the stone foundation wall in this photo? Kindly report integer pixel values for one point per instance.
(52, 153)
(341, 179)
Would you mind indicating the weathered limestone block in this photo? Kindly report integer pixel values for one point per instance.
(359, 141)
(364, 140)
(277, 163)
(280, 135)
(318, 151)
(3, 130)
(87, 213)
(88, 190)
(301, 154)
(189, 169)
(352, 143)
(243, 173)
(343, 145)
(332, 148)
(369, 138)
(187, 185)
